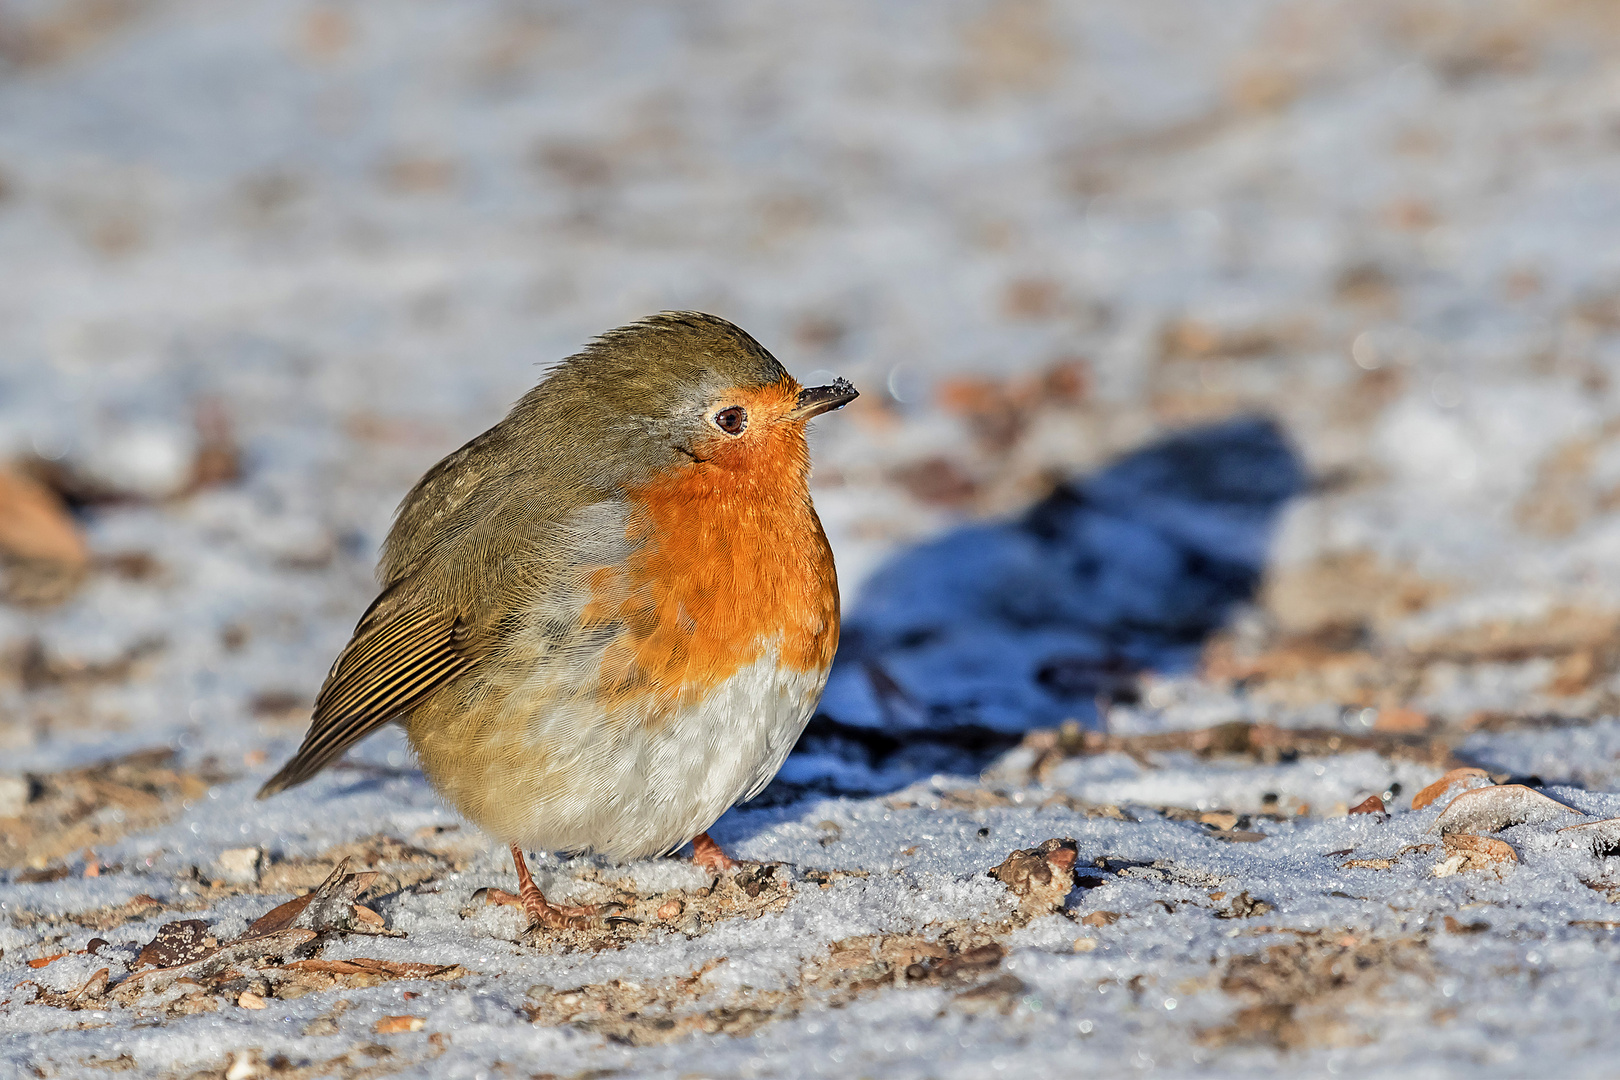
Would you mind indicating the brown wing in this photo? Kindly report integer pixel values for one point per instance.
(402, 650)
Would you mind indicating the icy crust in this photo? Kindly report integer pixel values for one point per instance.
(1372, 952)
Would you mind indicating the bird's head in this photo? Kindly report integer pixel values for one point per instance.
(682, 390)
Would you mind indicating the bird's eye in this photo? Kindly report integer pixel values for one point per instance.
(732, 420)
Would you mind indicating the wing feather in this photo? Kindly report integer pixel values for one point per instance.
(401, 652)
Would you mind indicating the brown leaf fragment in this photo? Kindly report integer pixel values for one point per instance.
(1372, 804)
(1602, 838)
(1467, 775)
(1367, 864)
(177, 943)
(1492, 809)
(281, 916)
(1468, 852)
(393, 1025)
(1596, 924)
(42, 551)
(1453, 926)
(1041, 877)
(44, 960)
(1100, 918)
(254, 947)
(330, 908)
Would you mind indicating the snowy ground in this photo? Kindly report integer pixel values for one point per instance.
(1240, 439)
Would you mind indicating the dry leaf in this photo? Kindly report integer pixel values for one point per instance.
(39, 540)
(1601, 837)
(369, 918)
(1466, 775)
(1468, 852)
(43, 960)
(1493, 809)
(253, 947)
(177, 943)
(329, 908)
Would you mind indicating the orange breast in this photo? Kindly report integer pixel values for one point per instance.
(731, 561)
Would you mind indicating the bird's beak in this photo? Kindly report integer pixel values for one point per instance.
(815, 400)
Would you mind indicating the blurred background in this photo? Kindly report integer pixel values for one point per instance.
(1296, 323)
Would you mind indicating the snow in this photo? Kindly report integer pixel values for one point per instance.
(1341, 281)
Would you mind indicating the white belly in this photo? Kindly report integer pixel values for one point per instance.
(584, 781)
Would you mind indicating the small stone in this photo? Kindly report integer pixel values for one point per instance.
(1041, 878)
(1372, 804)
(394, 1025)
(240, 866)
(669, 909)
(249, 1000)
(1085, 944)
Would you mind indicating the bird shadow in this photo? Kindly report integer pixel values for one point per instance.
(960, 645)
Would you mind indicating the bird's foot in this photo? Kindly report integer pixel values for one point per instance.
(710, 855)
(543, 913)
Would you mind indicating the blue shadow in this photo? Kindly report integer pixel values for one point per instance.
(961, 645)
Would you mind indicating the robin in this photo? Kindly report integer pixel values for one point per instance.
(608, 618)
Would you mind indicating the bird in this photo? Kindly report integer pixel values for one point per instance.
(608, 618)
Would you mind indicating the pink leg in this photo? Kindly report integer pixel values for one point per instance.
(709, 855)
(541, 912)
